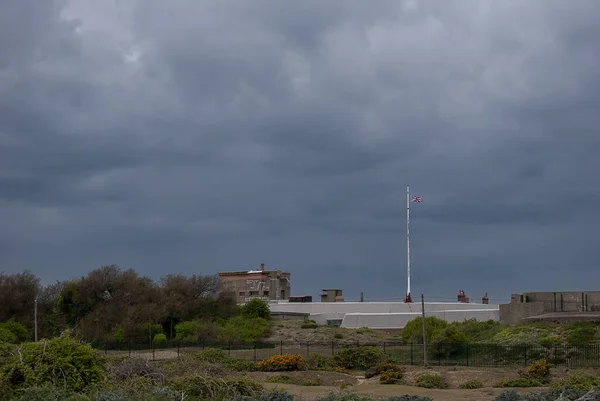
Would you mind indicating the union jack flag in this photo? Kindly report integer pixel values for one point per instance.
(416, 199)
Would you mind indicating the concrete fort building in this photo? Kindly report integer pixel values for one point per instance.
(268, 285)
(382, 315)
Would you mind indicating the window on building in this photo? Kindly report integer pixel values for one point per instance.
(242, 294)
(266, 293)
(253, 293)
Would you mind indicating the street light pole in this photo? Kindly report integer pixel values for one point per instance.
(35, 318)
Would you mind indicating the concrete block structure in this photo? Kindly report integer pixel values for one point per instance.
(269, 285)
(551, 306)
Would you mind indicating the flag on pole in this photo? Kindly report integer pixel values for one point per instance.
(416, 199)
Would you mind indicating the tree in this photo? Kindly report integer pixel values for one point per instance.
(413, 331)
(256, 308)
(17, 297)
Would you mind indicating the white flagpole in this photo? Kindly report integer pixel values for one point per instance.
(408, 298)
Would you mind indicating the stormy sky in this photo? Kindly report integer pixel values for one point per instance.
(197, 136)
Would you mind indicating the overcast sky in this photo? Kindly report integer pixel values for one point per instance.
(194, 136)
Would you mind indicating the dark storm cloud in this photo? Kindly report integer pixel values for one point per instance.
(198, 136)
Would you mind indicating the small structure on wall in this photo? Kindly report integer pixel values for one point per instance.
(332, 295)
(269, 285)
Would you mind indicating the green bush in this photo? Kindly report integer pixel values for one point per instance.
(211, 355)
(60, 361)
(244, 329)
(339, 336)
(159, 339)
(6, 336)
(407, 398)
(320, 362)
(359, 357)
(256, 308)
(431, 381)
(471, 385)
(521, 382)
(580, 335)
(187, 330)
(309, 326)
(448, 342)
(241, 365)
(579, 381)
(413, 331)
(17, 329)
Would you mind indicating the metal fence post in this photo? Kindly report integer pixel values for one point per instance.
(439, 354)
(153, 354)
(332, 348)
(412, 353)
(308, 349)
(384, 347)
(281, 347)
(254, 351)
(105, 350)
(229, 349)
(129, 348)
(467, 354)
(178, 348)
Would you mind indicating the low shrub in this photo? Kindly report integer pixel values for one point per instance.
(509, 395)
(313, 382)
(339, 336)
(579, 381)
(241, 365)
(211, 355)
(320, 362)
(282, 363)
(46, 392)
(390, 377)
(166, 394)
(568, 394)
(309, 326)
(539, 370)
(431, 381)
(407, 398)
(270, 396)
(383, 367)
(60, 361)
(344, 396)
(204, 387)
(471, 385)
(131, 367)
(521, 382)
(359, 357)
(281, 379)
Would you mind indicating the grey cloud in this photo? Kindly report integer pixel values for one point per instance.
(201, 136)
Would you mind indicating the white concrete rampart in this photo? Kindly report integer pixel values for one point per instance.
(387, 315)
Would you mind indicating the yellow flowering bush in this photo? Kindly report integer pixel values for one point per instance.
(285, 362)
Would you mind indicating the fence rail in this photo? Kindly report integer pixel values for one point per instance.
(482, 355)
